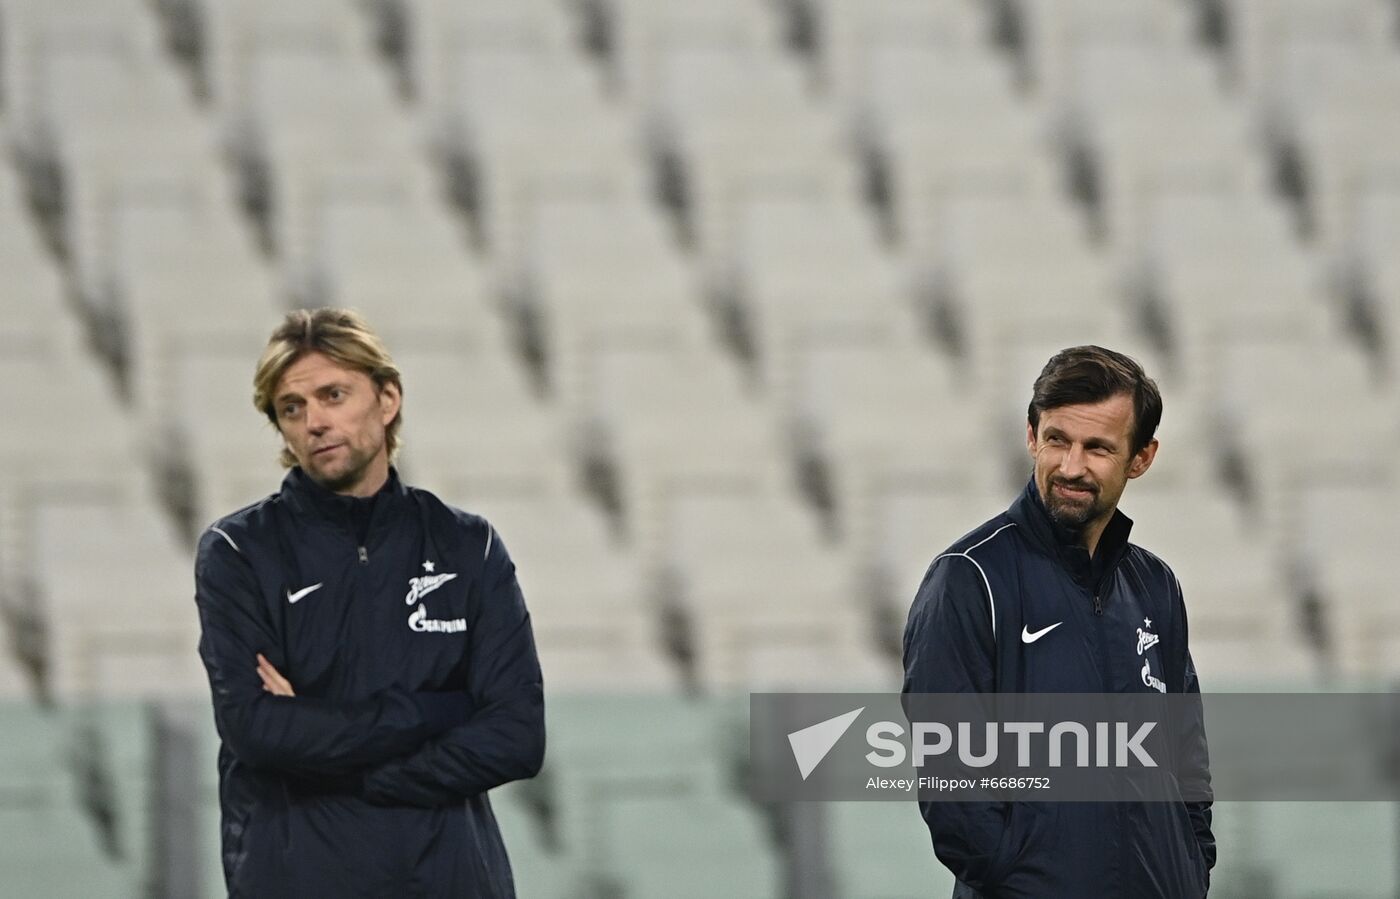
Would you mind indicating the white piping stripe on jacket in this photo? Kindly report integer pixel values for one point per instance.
(991, 601)
(221, 533)
(490, 534)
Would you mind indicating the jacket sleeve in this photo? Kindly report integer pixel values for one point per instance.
(949, 648)
(301, 736)
(1195, 765)
(503, 739)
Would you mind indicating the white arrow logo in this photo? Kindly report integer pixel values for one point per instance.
(811, 744)
(1028, 637)
(294, 598)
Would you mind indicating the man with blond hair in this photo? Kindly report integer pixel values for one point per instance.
(371, 660)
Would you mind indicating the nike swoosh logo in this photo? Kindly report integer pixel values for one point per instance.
(1028, 636)
(294, 598)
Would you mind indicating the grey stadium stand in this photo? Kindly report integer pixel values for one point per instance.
(725, 314)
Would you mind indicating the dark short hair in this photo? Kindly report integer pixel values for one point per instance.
(1092, 374)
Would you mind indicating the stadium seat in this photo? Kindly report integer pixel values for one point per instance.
(1307, 844)
(97, 115)
(882, 850)
(635, 783)
(1341, 529)
(594, 618)
(113, 632)
(600, 275)
(441, 32)
(469, 414)
(691, 851)
(1321, 110)
(499, 130)
(1185, 226)
(646, 35)
(385, 247)
(1376, 230)
(40, 809)
(245, 40)
(1265, 413)
(304, 111)
(540, 871)
(1388, 291)
(1348, 155)
(189, 287)
(30, 830)
(1011, 268)
(664, 419)
(1208, 302)
(804, 269)
(1263, 33)
(729, 126)
(119, 744)
(878, 417)
(611, 748)
(229, 448)
(1056, 32)
(33, 308)
(917, 523)
(1187, 459)
(1264, 286)
(30, 771)
(912, 522)
(1148, 121)
(936, 126)
(850, 35)
(769, 606)
(50, 444)
(15, 683)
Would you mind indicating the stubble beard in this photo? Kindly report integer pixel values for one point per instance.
(1070, 515)
(356, 467)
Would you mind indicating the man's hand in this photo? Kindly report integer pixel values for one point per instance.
(273, 681)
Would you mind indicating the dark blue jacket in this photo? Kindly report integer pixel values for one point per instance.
(400, 625)
(965, 634)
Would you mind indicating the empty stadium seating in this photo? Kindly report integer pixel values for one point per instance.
(725, 315)
(864, 838)
(637, 800)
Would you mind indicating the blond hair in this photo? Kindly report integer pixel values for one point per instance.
(340, 334)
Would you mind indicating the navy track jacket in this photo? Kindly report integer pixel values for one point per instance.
(400, 625)
(1022, 571)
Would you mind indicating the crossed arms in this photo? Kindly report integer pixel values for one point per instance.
(397, 747)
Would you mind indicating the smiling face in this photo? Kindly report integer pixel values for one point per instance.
(334, 420)
(1083, 460)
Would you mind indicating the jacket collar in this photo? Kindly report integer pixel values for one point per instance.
(353, 513)
(1062, 544)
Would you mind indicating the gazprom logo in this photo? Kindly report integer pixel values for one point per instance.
(812, 744)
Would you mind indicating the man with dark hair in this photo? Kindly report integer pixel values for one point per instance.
(370, 655)
(1050, 597)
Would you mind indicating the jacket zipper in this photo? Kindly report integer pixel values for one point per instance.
(1103, 673)
(364, 556)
